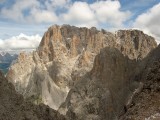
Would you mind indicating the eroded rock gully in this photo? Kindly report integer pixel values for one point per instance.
(64, 65)
(14, 107)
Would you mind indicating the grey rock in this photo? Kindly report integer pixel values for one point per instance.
(64, 58)
(14, 107)
(104, 92)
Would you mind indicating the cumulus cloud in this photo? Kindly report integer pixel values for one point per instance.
(100, 12)
(109, 12)
(75, 13)
(21, 41)
(15, 12)
(149, 22)
(29, 11)
(80, 14)
(41, 16)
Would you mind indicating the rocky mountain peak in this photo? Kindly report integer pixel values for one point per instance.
(66, 54)
(68, 39)
(72, 41)
(134, 43)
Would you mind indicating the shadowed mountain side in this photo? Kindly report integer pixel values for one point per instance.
(104, 93)
(13, 106)
(146, 104)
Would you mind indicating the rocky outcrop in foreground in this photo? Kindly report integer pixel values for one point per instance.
(146, 104)
(84, 73)
(14, 107)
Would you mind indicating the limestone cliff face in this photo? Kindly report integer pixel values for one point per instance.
(103, 93)
(37, 85)
(14, 107)
(65, 54)
(134, 43)
(117, 87)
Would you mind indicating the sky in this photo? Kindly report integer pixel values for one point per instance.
(23, 22)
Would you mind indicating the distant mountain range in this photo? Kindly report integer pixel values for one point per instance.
(5, 60)
(6, 57)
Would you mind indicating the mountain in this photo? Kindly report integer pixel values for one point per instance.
(84, 73)
(117, 88)
(103, 92)
(6, 60)
(5, 57)
(14, 107)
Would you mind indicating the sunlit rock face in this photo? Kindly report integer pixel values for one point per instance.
(65, 55)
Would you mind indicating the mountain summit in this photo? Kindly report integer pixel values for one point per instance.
(84, 73)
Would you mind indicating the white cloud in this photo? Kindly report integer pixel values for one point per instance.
(41, 16)
(100, 12)
(80, 14)
(21, 41)
(36, 12)
(109, 12)
(149, 22)
(64, 11)
(15, 12)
